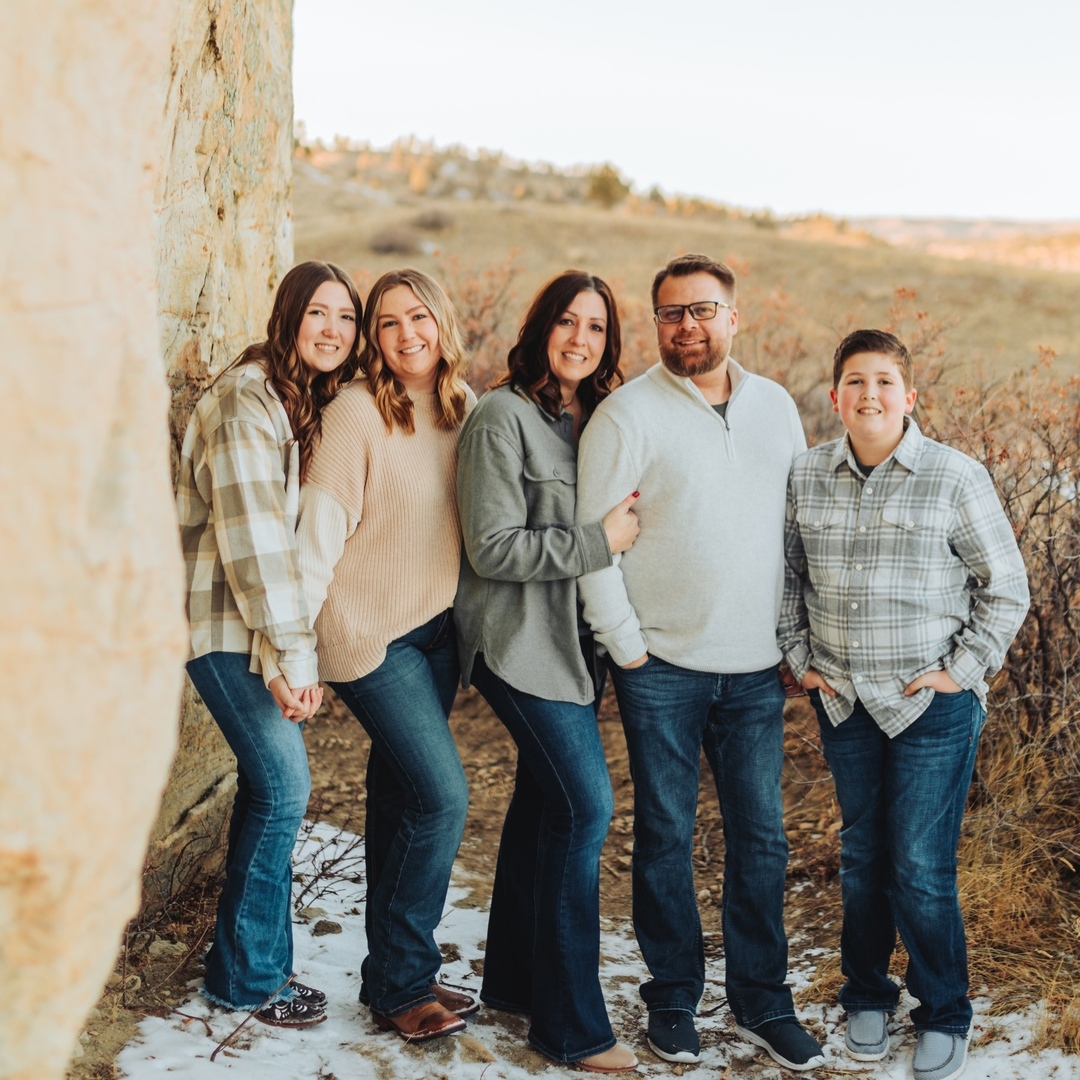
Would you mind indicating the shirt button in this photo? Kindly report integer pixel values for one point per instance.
(858, 566)
(817, 524)
(858, 678)
(862, 528)
(854, 644)
(870, 491)
(911, 524)
(854, 607)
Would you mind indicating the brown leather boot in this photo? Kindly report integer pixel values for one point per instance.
(458, 1004)
(427, 1021)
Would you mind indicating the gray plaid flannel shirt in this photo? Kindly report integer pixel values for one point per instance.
(908, 570)
(237, 497)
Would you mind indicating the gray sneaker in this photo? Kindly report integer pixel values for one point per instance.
(939, 1056)
(867, 1037)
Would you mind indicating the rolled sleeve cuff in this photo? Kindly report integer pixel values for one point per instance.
(301, 671)
(798, 659)
(965, 669)
(596, 553)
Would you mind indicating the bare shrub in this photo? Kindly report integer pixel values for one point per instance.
(433, 220)
(606, 186)
(1023, 857)
(484, 298)
(395, 240)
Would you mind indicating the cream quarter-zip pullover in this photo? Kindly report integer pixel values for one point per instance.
(702, 585)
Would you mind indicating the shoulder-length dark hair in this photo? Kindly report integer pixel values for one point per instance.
(528, 367)
(391, 398)
(304, 393)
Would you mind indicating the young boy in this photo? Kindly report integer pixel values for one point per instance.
(904, 588)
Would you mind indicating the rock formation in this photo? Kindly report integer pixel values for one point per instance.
(224, 197)
(144, 187)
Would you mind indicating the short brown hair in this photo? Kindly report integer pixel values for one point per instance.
(873, 341)
(685, 265)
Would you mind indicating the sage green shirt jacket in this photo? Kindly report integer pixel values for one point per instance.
(517, 600)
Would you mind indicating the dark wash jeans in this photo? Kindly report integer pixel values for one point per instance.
(417, 798)
(902, 801)
(669, 715)
(543, 941)
(252, 953)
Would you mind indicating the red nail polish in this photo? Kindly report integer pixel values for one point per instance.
(635, 493)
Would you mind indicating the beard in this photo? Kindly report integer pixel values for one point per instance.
(699, 360)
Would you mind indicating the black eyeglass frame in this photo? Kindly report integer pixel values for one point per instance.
(683, 308)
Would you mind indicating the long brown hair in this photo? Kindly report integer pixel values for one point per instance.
(391, 398)
(528, 366)
(304, 393)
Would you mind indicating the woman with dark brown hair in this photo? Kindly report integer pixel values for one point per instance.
(525, 647)
(248, 446)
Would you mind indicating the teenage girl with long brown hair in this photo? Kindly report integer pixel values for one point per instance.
(248, 446)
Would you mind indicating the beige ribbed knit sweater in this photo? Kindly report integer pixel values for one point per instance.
(379, 537)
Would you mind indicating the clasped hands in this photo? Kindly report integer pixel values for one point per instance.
(296, 705)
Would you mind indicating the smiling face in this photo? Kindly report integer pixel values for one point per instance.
(872, 401)
(577, 341)
(691, 347)
(408, 338)
(328, 329)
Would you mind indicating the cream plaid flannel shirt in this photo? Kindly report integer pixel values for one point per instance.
(237, 497)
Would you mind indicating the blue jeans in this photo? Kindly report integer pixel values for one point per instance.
(669, 715)
(416, 804)
(252, 953)
(543, 940)
(902, 801)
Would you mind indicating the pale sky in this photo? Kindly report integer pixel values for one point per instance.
(955, 108)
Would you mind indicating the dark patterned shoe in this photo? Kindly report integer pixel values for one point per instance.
(292, 1013)
(309, 995)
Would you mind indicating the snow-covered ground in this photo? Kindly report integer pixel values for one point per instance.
(349, 1047)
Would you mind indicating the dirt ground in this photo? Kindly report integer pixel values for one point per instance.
(158, 966)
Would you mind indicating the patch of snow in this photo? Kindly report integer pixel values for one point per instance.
(348, 1046)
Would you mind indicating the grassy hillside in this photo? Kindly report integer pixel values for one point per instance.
(1000, 314)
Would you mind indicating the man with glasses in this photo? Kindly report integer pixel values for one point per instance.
(688, 618)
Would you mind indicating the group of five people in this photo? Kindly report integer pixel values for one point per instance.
(351, 514)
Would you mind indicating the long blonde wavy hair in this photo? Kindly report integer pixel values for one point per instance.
(391, 398)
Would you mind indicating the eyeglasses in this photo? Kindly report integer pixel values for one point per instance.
(700, 312)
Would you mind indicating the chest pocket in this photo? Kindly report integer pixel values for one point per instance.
(819, 527)
(917, 536)
(550, 490)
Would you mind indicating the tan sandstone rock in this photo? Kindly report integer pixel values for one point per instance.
(91, 620)
(224, 199)
(143, 154)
